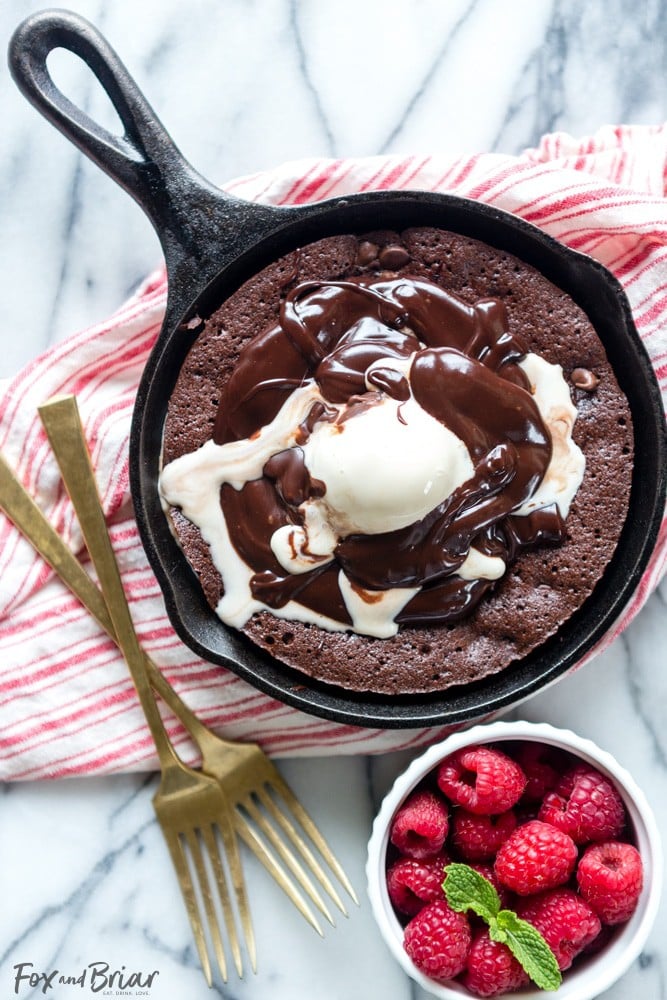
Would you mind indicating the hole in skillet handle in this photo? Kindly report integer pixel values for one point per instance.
(601, 297)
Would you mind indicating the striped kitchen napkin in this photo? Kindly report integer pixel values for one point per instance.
(68, 705)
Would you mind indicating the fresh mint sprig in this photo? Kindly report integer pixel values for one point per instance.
(466, 889)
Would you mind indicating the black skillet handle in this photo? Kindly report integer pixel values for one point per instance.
(200, 228)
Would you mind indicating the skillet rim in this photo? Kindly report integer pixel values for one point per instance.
(575, 637)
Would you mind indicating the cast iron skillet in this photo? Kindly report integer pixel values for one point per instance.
(212, 243)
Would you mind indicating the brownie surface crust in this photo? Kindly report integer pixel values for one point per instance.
(544, 587)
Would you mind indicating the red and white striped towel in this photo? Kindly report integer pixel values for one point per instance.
(68, 706)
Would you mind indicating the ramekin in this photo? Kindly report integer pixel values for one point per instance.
(590, 976)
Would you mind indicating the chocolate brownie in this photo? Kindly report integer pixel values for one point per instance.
(545, 585)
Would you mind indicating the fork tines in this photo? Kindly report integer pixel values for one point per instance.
(198, 850)
(272, 810)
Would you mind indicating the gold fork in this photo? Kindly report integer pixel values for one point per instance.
(191, 807)
(218, 756)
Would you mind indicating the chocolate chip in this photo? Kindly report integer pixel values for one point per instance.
(584, 379)
(366, 253)
(393, 256)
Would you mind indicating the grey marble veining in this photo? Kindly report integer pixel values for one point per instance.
(243, 85)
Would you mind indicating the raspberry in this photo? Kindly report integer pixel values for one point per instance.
(420, 825)
(412, 884)
(437, 940)
(482, 780)
(565, 921)
(585, 805)
(540, 765)
(535, 857)
(478, 838)
(491, 968)
(610, 878)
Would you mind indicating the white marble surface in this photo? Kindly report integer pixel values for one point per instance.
(242, 85)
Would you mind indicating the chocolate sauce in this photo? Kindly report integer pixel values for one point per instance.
(391, 382)
(464, 373)
(288, 470)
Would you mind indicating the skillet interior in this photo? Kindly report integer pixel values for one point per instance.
(592, 288)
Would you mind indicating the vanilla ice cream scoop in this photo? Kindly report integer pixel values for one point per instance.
(385, 465)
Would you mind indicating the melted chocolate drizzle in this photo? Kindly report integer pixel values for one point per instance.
(464, 374)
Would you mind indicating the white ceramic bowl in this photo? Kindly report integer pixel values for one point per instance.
(589, 977)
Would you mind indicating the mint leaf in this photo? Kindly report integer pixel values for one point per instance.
(528, 947)
(466, 889)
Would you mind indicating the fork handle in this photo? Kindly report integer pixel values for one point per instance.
(62, 423)
(22, 510)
